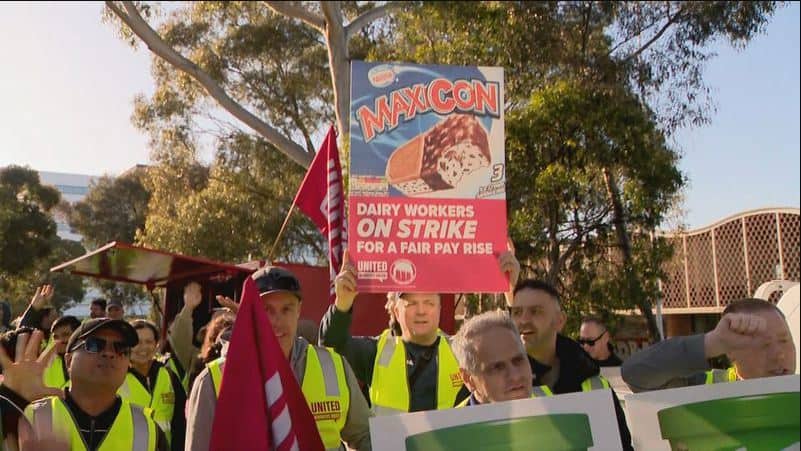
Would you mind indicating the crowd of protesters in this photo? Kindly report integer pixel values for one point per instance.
(103, 383)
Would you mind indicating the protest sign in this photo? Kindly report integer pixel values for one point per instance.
(427, 187)
(757, 414)
(572, 421)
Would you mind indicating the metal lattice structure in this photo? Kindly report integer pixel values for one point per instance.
(730, 259)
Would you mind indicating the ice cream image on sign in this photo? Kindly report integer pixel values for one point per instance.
(439, 158)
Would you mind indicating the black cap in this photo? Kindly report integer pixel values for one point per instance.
(93, 325)
(115, 303)
(271, 279)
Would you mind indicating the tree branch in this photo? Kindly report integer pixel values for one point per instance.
(668, 24)
(156, 44)
(295, 11)
(367, 17)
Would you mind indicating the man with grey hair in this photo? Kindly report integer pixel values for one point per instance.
(492, 359)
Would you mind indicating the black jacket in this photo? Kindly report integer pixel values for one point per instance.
(576, 366)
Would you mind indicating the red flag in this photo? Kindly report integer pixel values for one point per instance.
(261, 406)
(320, 197)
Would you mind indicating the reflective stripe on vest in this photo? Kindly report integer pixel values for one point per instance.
(325, 388)
(540, 391)
(54, 373)
(718, 376)
(326, 391)
(215, 371)
(132, 428)
(389, 390)
(594, 383)
(161, 401)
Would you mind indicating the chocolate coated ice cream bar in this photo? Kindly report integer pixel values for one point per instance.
(439, 158)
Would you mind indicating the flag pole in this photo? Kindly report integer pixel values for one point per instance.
(281, 232)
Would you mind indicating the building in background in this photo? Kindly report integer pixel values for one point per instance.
(725, 261)
(73, 188)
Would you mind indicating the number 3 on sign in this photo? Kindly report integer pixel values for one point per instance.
(497, 172)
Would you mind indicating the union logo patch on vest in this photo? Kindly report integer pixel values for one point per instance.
(168, 398)
(456, 380)
(325, 410)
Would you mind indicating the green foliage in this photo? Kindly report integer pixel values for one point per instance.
(113, 210)
(68, 289)
(592, 89)
(26, 229)
(231, 211)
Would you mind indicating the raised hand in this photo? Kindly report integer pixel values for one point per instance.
(228, 303)
(42, 297)
(345, 285)
(511, 266)
(192, 295)
(23, 375)
(735, 331)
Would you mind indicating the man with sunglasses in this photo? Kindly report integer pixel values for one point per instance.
(91, 416)
(594, 339)
(556, 361)
(326, 380)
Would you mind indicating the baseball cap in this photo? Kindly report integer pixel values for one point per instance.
(93, 325)
(115, 303)
(271, 279)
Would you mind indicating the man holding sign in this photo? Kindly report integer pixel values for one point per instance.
(408, 373)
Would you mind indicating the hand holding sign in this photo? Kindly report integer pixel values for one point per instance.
(510, 266)
(345, 285)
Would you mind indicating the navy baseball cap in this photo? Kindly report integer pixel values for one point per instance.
(271, 279)
(93, 325)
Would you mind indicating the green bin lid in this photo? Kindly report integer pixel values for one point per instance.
(552, 432)
(730, 415)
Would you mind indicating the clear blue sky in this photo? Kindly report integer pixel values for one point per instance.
(67, 86)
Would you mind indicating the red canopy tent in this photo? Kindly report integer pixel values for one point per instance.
(121, 262)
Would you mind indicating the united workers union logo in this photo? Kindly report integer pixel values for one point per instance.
(403, 272)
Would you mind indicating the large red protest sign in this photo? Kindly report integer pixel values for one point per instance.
(427, 208)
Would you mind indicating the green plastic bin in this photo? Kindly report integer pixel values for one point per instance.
(753, 423)
(557, 432)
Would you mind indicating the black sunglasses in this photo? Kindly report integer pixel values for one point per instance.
(96, 345)
(586, 341)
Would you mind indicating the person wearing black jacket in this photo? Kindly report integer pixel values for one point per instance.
(556, 361)
(98, 357)
(594, 339)
(151, 384)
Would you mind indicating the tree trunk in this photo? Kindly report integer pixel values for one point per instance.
(632, 283)
(338, 62)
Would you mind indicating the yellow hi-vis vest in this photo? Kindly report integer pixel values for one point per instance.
(174, 365)
(539, 391)
(54, 375)
(325, 388)
(132, 430)
(389, 390)
(718, 376)
(161, 400)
